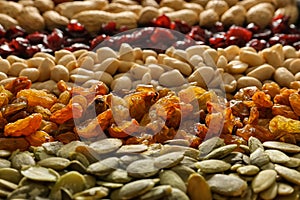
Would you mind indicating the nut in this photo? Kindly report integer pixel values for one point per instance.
(189, 16)
(10, 8)
(7, 21)
(31, 20)
(208, 18)
(219, 6)
(54, 20)
(283, 77)
(234, 15)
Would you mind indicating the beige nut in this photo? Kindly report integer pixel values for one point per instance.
(236, 67)
(210, 57)
(171, 78)
(234, 15)
(3, 76)
(188, 16)
(104, 53)
(44, 55)
(45, 69)
(16, 68)
(44, 5)
(137, 71)
(289, 10)
(126, 53)
(202, 76)
(151, 3)
(69, 9)
(59, 72)
(12, 59)
(208, 18)
(183, 67)
(66, 59)
(194, 7)
(289, 52)
(35, 62)
(155, 71)
(297, 76)
(104, 77)
(283, 77)
(263, 72)
(231, 2)
(219, 6)
(82, 71)
(174, 4)
(31, 20)
(246, 81)
(7, 80)
(196, 50)
(272, 57)
(54, 20)
(5, 65)
(31, 73)
(251, 58)
(92, 19)
(60, 53)
(230, 83)
(147, 14)
(120, 83)
(7, 21)
(231, 52)
(10, 8)
(109, 65)
(259, 15)
(294, 66)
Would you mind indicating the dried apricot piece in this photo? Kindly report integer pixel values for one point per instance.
(37, 97)
(25, 126)
(295, 102)
(262, 99)
(38, 138)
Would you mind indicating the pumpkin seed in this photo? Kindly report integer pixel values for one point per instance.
(10, 174)
(142, 168)
(136, 188)
(55, 163)
(72, 181)
(107, 145)
(40, 174)
(95, 193)
(104, 167)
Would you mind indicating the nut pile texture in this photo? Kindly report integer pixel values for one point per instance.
(202, 104)
(106, 169)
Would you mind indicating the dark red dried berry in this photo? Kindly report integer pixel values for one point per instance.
(257, 44)
(14, 32)
(109, 29)
(55, 40)
(36, 38)
(162, 21)
(97, 40)
(240, 33)
(31, 50)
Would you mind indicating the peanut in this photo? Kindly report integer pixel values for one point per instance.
(82, 71)
(45, 69)
(3, 76)
(54, 20)
(44, 5)
(7, 21)
(289, 10)
(118, 7)
(79, 79)
(66, 59)
(251, 58)
(60, 53)
(10, 8)
(289, 52)
(31, 20)
(189, 16)
(234, 15)
(219, 6)
(104, 77)
(184, 68)
(125, 66)
(137, 71)
(16, 68)
(126, 53)
(283, 77)
(31, 73)
(59, 72)
(12, 59)
(92, 19)
(7, 80)
(195, 60)
(120, 83)
(86, 62)
(230, 83)
(147, 14)
(294, 66)
(171, 78)
(208, 18)
(156, 71)
(210, 57)
(174, 4)
(151, 60)
(44, 55)
(109, 65)
(263, 72)
(81, 52)
(202, 76)
(194, 7)
(246, 81)
(272, 57)
(35, 62)
(259, 15)
(69, 9)
(237, 67)
(297, 76)
(150, 3)
(231, 2)
(104, 53)
(5, 65)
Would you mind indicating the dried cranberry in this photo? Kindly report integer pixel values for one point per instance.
(197, 33)
(274, 40)
(36, 38)
(180, 26)
(162, 21)
(297, 45)
(233, 40)
(123, 28)
(257, 44)
(19, 44)
(77, 46)
(3, 40)
(2, 31)
(75, 26)
(6, 50)
(280, 24)
(97, 40)
(263, 35)
(31, 50)
(110, 28)
(253, 28)
(187, 42)
(55, 40)
(289, 38)
(161, 35)
(240, 33)
(217, 27)
(70, 41)
(14, 32)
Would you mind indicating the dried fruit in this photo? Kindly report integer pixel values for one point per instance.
(37, 97)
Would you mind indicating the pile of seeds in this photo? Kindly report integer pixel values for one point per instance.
(109, 170)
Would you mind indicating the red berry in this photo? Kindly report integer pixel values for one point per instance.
(55, 40)
(2, 31)
(31, 50)
(180, 26)
(97, 40)
(162, 21)
(14, 32)
(19, 44)
(36, 38)
(75, 26)
(110, 28)
(240, 33)
(257, 44)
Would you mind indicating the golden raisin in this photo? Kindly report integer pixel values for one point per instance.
(37, 97)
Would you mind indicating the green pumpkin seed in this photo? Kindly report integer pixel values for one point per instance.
(72, 181)
(95, 193)
(136, 188)
(40, 174)
(7, 185)
(4, 163)
(106, 146)
(75, 165)
(22, 159)
(4, 153)
(110, 184)
(10, 174)
(55, 163)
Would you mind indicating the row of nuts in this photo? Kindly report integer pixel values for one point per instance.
(38, 15)
(232, 67)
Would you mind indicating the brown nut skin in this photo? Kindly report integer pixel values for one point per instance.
(7, 21)
(234, 15)
(208, 17)
(31, 20)
(44, 5)
(259, 15)
(147, 14)
(219, 6)
(10, 8)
